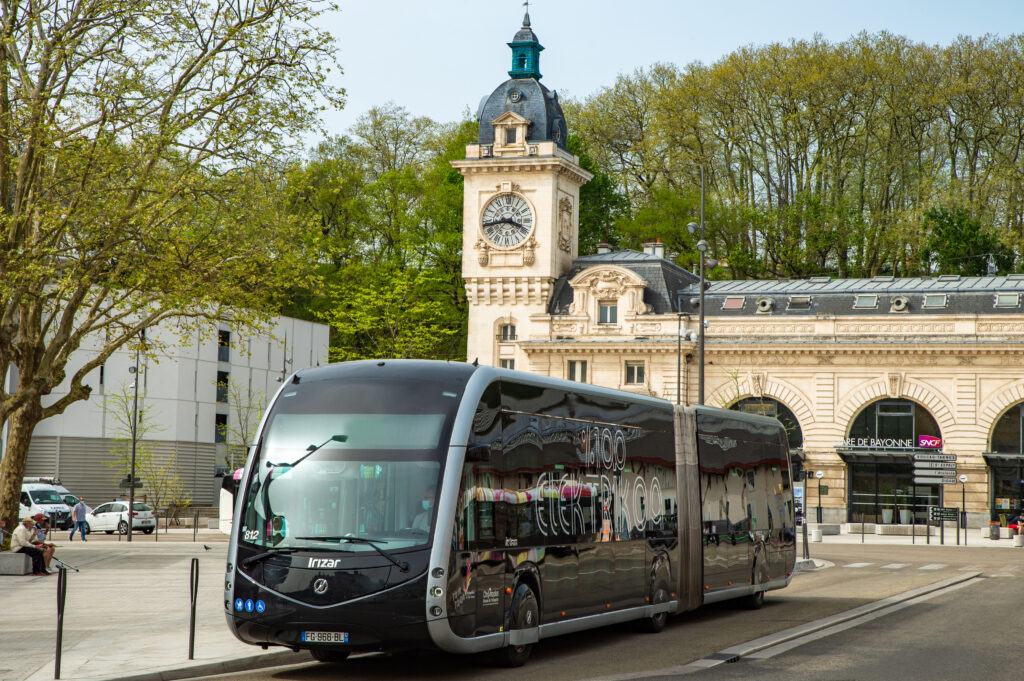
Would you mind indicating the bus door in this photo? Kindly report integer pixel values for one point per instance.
(478, 572)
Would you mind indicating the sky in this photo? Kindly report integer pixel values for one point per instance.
(438, 58)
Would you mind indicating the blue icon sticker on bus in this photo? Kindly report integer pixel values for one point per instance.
(260, 606)
(249, 605)
(239, 604)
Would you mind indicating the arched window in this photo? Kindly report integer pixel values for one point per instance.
(879, 450)
(1006, 464)
(766, 406)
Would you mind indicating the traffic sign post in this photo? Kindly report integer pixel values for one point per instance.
(819, 475)
(944, 514)
(936, 469)
(963, 506)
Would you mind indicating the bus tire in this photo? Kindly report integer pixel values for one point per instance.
(524, 613)
(755, 600)
(658, 594)
(329, 654)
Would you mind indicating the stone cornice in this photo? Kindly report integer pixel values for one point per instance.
(527, 164)
(508, 290)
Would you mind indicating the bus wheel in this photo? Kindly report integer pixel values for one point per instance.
(329, 654)
(524, 614)
(755, 600)
(659, 594)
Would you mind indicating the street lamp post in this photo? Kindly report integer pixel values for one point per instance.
(702, 249)
(135, 428)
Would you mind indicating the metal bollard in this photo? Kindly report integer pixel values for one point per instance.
(62, 593)
(193, 591)
(195, 525)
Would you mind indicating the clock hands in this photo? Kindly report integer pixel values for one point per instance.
(511, 221)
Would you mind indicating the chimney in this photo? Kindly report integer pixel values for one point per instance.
(655, 248)
(603, 248)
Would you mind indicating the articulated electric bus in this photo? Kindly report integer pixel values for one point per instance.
(409, 504)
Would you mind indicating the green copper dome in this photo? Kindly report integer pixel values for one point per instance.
(525, 52)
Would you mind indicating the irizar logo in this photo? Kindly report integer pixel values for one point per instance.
(324, 562)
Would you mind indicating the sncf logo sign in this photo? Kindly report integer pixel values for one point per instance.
(929, 442)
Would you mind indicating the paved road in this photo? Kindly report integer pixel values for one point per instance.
(960, 634)
(858, 575)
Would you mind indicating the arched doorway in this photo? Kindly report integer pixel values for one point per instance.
(879, 452)
(1005, 459)
(767, 406)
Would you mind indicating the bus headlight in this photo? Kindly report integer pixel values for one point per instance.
(436, 591)
(436, 611)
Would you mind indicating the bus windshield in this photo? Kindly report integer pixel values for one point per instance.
(359, 459)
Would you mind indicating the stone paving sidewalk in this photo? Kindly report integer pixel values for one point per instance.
(128, 607)
(127, 613)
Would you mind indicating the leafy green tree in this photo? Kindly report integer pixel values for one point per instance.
(388, 206)
(136, 182)
(957, 244)
(601, 203)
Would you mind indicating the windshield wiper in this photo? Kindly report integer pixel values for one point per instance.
(310, 450)
(267, 554)
(401, 565)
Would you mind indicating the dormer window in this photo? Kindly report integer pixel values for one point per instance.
(1007, 299)
(865, 301)
(608, 313)
(510, 134)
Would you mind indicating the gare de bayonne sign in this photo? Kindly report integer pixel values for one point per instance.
(929, 468)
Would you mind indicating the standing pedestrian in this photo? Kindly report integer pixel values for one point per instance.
(78, 515)
(23, 540)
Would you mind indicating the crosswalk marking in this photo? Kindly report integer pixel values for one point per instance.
(857, 565)
(895, 566)
(933, 566)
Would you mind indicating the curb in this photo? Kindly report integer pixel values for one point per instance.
(213, 667)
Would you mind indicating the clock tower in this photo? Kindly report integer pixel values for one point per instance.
(520, 210)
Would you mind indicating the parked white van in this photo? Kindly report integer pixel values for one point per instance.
(41, 497)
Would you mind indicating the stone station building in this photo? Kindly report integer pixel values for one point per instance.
(871, 376)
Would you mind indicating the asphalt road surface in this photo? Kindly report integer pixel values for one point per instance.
(965, 632)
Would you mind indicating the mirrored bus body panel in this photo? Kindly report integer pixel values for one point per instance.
(550, 506)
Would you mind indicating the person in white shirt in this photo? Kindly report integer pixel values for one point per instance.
(422, 519)
(23, 540)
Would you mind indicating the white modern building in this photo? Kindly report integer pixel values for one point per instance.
(193, 392)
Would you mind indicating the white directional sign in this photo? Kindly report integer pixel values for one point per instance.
(934, 457)
(919, 465)
(934, 481)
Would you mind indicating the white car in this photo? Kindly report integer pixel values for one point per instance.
(113, 517)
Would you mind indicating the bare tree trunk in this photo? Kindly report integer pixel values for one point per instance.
(12, 467)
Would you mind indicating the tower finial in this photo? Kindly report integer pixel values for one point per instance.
(526, 17)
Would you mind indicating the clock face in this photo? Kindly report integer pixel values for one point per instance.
(507, 220)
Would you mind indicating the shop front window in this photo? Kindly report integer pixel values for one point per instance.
(1007, 467)
(880, 449)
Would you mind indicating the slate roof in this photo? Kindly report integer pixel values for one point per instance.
(664, 279)
(669, 284)
(963, 295)
(534, 102)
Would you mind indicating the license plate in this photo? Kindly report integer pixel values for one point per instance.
(325, 637)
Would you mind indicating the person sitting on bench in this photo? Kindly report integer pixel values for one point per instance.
(23, 540)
